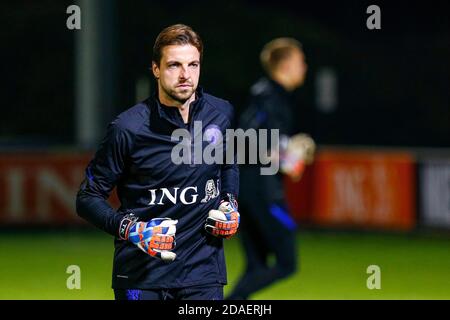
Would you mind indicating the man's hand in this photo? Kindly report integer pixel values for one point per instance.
(223, 223)
(155, 237)
(299, 152)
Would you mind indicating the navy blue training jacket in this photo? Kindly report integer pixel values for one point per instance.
(135, 157)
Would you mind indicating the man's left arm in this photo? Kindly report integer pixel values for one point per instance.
(230, 180)
(229, 171)
(224, 222)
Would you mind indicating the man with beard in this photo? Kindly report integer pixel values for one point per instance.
(160, 198)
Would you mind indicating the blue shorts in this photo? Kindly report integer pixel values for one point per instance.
(188, 293)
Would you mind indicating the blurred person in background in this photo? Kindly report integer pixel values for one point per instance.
(267, 227)
(161, 199)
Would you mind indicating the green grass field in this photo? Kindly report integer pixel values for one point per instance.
(333, 266)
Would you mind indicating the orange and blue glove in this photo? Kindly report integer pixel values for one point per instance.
(155, 237)
(224, 222)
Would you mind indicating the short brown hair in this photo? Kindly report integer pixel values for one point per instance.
(276, 51)
(177, 34)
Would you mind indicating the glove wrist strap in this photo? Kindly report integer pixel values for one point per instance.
(229, 197)
(125, 225)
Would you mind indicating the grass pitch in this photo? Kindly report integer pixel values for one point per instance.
(332, 266)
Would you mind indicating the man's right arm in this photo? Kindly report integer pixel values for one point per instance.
(102, 174)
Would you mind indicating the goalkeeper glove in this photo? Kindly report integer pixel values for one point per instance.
(223, 223)
(155, 237)
(296, 153)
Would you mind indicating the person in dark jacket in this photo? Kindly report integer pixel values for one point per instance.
(167, 244)
(267, 227)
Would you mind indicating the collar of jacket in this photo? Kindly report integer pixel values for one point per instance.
(172, 114)
(278, 87)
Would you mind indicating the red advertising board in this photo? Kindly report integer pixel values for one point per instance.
(299, 196)
(365, 189)
(342, 188)
(40, 188)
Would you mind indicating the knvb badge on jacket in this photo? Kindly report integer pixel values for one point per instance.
(213, 135)
(211, 191)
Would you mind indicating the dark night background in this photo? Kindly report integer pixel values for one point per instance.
(393, 83)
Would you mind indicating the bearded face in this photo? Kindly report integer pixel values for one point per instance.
(177, 74)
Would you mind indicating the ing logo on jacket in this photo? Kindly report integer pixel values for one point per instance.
(188, 195)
